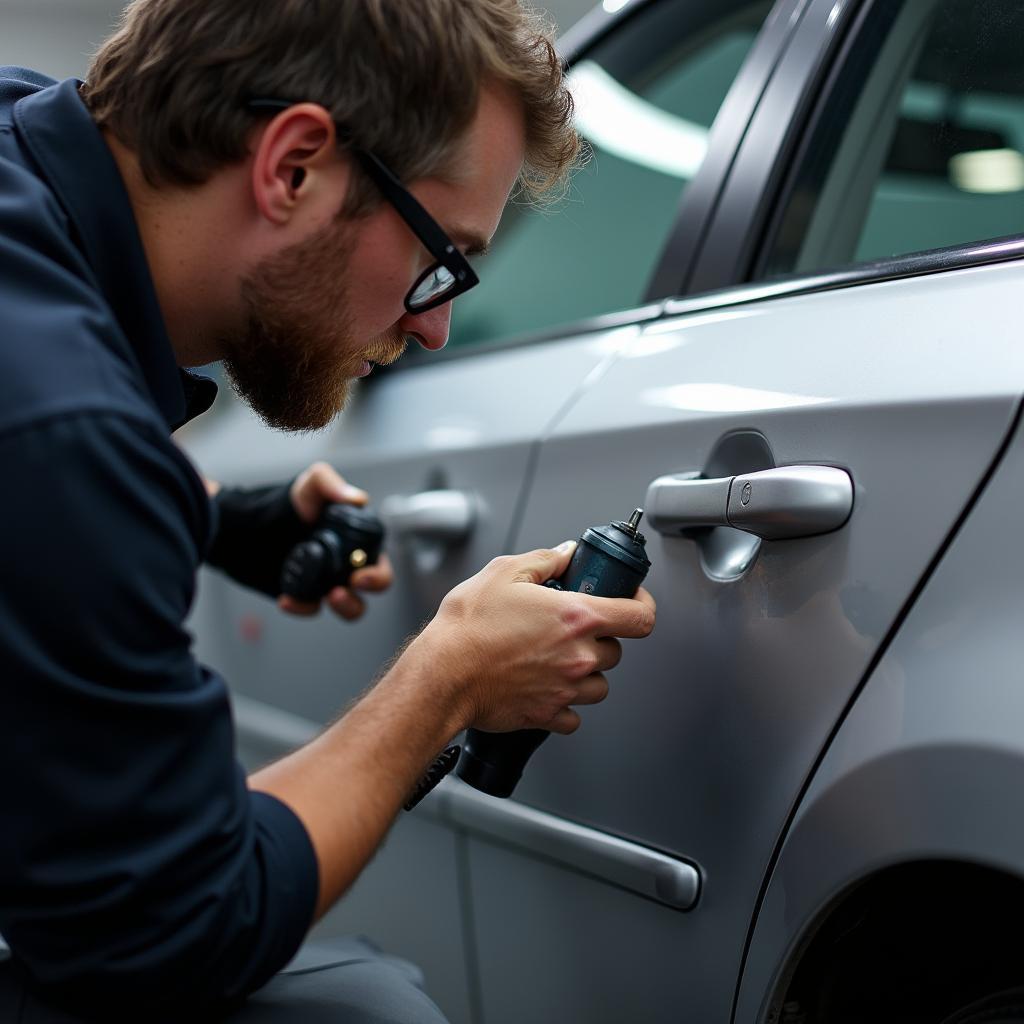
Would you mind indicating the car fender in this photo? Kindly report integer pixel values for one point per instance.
(928, 762)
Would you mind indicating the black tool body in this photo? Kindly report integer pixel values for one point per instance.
(346, 538)
(609, 561)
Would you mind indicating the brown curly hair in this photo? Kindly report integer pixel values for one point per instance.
(403, 75)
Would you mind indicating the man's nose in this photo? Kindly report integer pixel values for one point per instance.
(430, 329)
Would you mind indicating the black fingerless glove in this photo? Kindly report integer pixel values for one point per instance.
(256, 530)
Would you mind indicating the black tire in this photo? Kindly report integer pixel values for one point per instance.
(1002, 1008)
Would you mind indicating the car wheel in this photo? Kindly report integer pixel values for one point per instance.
(1005, 1007)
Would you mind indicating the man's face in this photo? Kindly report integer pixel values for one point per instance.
(296, 356)
(316, 312)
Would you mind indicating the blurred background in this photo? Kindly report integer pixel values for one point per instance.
(56, 37)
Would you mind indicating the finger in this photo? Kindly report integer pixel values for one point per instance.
(346, 604)
(565, 722)
(592, 690)
(320, 485)
(543, 564)
(609, 653)
(293, 607)
(623, 616)
(374, 578)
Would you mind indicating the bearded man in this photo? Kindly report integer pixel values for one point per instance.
(291, 187)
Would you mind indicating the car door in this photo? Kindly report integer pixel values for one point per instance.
(446, 444)
(899, 371)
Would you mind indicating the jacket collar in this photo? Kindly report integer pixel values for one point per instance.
(72, 155)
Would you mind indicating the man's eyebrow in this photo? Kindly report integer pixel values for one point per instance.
(470, 242)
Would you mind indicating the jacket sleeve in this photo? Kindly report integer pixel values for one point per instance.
(254, 532)
(136, 869)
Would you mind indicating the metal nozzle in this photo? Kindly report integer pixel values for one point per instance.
(634, 521)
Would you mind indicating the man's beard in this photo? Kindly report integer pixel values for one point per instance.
(295, 358)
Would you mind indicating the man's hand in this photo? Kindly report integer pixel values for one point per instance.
(502, 653)
(322, 485)
(520, 655)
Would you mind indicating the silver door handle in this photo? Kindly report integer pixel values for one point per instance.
(775, 504)
(445, 516)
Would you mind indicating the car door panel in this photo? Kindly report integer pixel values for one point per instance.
(555, 945)
(716, 720)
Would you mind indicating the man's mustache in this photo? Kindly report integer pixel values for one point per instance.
(388, 348)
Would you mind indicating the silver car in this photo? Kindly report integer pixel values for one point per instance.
(780, 310)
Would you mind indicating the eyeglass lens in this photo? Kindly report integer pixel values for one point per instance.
(432, 285)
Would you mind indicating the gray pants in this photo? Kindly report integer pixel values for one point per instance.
(335, 981)
(342, 981)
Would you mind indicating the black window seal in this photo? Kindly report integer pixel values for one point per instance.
(918, 264)
(822, 103)
(699, 203)
(761, 167)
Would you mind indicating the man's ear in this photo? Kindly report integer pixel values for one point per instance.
(294, 147)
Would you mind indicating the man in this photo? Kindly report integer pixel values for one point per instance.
(290, 187)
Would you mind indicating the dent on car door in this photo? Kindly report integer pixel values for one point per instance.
(897, 375)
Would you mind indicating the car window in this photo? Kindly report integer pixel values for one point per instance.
(646, 98)
(919, 144)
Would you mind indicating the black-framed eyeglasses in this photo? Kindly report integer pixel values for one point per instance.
(451, 275)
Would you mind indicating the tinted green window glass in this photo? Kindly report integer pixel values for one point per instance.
(646, 101)
(921, 143)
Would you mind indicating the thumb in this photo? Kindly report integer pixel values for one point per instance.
(320, 485)
(544, 564)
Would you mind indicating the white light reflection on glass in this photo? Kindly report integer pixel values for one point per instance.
(627, 126)
(614, 6)
(988, 171)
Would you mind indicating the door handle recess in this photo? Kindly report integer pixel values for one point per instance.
(774, 504)
(445, 516)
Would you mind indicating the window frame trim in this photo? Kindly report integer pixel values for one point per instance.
(825, 88)
(927, 262)
(752, 192)
(691, 234)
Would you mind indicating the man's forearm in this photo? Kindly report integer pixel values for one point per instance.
(348, 785)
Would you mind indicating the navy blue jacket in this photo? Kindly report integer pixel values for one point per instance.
(137, 872)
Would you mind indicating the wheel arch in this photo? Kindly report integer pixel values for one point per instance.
(916, 849)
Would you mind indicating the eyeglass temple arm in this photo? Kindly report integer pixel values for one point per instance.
(408, 206)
